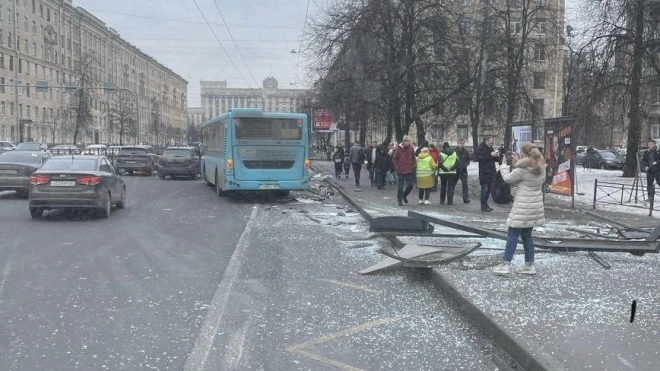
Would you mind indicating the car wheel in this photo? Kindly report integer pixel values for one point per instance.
(107, 206)
(193, 176)
(23, 194)
(602, 166)
(36, 212)
(122, 203)
(161, 176)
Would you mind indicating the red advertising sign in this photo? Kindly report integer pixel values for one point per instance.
(558, 155)
(323, 119)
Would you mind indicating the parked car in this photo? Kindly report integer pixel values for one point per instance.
(580, 152)
(137, 159)
(31, 146)
(599, 159)
(16, 167)
(6, 146)
(79, 181)
(96, 149)
(179, 161)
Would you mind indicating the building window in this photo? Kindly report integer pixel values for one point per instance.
(2, 61)
(11, 109)
(41, 10)
(515, 24)
(34, 49)
(541, 3)
(539, 52)
(34, 6)
(48, 14)
(29, 111)
(2, 82)
(540, 27)
(27, 90)
(462, 132)
(539, 80)
(539, 107)
(20, 110)
(19, 87)
(465, 25)
(34, 27)
(2, 108)
(11, 63)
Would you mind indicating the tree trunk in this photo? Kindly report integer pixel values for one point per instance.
(635, 112)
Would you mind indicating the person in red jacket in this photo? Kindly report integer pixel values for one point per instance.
(403, 160)
(434, 154)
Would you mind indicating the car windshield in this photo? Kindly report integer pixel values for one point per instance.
(21, 157)
(29, 147)
(608, 155)
(132, 151)
(176, 153)
(72, 164)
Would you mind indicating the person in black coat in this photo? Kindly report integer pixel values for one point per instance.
(651, 163)
(382, 165)
(487, 157)
(338, 159)
(462, 168)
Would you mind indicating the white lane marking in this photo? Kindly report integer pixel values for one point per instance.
(5, 272)
(204, 341)
(346, 284)
(235, 348)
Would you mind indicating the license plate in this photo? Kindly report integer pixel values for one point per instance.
(63, 183)
(8, 171)
(269, 186)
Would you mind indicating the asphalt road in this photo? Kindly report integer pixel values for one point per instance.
(183, 279)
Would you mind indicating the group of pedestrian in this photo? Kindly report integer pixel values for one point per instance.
(424, 166)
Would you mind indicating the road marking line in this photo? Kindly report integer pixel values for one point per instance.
(8, 264)
(235, 348)
(342, 333)
(202, 347)
(327, 361)
(358, 287)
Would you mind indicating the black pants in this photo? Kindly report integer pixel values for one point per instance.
(486, 189)
(424, 194)
(404, 179)
(381, 177)
(463, 177)
(447, 186)
(347, 169)
(338, 166)
(357, 167)
(372, 174)
(652, 177)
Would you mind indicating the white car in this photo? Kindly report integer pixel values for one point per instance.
(96, 149)
(6, 146)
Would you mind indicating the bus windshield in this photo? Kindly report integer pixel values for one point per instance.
(268, 129)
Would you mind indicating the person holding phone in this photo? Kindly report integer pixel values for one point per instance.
(528, 210)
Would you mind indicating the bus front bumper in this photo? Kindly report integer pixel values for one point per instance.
(256, 185)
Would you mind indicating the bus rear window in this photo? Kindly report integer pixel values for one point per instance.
(273, 129)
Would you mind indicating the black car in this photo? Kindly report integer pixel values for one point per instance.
(598, 159)
(79, 181)
(16, 167)
(31, 146)
(140, 159)
(179, 161)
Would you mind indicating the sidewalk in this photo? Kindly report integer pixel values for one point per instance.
(574, 314)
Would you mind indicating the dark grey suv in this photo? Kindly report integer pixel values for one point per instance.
(179, 161)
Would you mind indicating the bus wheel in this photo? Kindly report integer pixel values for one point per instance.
(218, 190)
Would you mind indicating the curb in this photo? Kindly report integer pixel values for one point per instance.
(530, 358)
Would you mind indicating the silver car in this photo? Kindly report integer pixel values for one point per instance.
(16, 167)
(79, 181)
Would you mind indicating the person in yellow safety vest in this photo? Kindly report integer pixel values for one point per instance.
(425, 173)
(447, 171)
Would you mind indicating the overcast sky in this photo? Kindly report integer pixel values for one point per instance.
(175, 33)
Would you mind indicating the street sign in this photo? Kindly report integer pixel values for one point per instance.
(42, 86)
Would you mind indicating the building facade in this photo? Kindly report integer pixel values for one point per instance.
(217, 98)
(55, 43)
(196, 116)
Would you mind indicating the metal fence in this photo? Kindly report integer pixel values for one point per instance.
(629, 195)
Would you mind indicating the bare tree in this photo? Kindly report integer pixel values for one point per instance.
(57, 122)
(78, 109)
(122, 116)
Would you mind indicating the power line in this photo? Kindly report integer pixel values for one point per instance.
(183, 21)
(223, 48)
(302, 38)
(235, 44)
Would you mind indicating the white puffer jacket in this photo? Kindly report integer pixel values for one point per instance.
(528, 210)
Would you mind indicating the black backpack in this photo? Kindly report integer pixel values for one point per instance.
(501, 190)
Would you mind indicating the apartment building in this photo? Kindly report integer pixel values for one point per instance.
(53, 42)
(217, 98)
(196, 116)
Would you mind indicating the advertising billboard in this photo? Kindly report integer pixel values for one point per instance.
(323, 119)
(519, 135)
(559, 155)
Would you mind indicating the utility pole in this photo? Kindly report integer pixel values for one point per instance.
(15, 87)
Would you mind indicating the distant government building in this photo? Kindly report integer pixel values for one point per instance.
(47, 43)
(217, 98)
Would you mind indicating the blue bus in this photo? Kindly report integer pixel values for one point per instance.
(247, 149)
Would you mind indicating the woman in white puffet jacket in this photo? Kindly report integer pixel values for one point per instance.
(528, 210)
